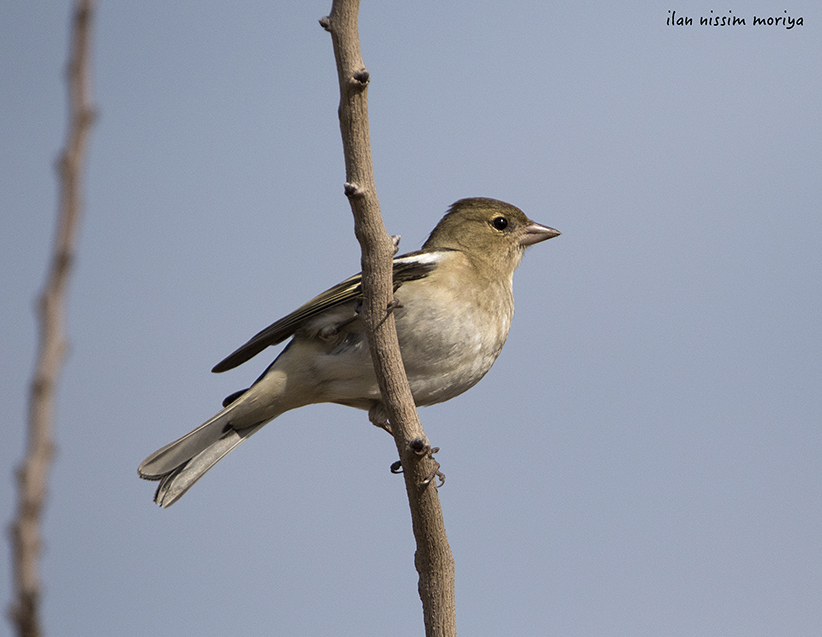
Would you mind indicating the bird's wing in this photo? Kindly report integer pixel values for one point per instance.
(408, 267)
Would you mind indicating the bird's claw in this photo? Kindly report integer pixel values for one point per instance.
(421, 447)
(385, 426)
(435, 472)
(393, 304)
(379, 418)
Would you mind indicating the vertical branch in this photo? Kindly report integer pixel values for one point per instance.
(33, 472)
(433, 558)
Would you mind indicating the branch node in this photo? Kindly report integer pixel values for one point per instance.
(360, 78)
(353, 190)
(325, 23)
(395, 239)
(396, 467)
(419, 446)
(87, 117)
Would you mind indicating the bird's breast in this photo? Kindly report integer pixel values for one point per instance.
(451, 338)
(451, 329)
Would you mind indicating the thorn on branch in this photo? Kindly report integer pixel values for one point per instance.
(353, 190)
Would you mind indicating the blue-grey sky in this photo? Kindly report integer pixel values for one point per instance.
(644, 458)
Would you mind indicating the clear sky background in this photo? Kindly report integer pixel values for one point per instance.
(644, 458)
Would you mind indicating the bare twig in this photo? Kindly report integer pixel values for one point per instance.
(33, 472)
(433, 559)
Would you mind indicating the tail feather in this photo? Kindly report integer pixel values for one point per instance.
(165, 460)
(181, 463)
(175, 483)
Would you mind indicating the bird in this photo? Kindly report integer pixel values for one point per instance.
(453, 309)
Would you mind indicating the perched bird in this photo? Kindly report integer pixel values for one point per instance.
(454, 308)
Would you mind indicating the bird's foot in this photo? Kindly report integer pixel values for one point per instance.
(424, 450)
(385, 426)
(330, 332)
(393, 304)
(421, 447)
(379, 418)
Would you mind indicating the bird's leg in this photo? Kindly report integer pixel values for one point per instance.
(425, 450)
(393, 304)
(330, 331)
(379, 418)
(435, 473)
(419, 446)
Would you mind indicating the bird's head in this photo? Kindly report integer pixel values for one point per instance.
(488, 231)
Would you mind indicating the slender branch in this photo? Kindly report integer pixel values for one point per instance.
(33, 472)
(433, 558)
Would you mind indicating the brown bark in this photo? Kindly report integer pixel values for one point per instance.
(433, 558)
(33, 472)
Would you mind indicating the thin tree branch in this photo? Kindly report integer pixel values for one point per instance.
(433, 558)
(33, 472)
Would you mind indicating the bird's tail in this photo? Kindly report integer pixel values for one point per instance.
(181, 463)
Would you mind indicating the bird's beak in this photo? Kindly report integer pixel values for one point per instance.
(535, 232)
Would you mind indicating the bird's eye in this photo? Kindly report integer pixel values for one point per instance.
(500, 223)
